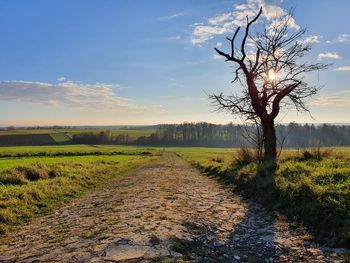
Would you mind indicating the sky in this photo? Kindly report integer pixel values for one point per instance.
(132, 62)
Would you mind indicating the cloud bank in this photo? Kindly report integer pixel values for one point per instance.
(344, 68)
(98, 96)
(340, 99)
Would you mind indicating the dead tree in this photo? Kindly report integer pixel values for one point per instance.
(272, 75)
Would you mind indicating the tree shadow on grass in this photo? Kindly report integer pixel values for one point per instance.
(302, 208)
(256, 238)
(252, 240)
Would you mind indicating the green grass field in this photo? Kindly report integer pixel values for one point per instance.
(28, 131)
(13, 162)
(61, 150)
(310, 186)
(32, 186)
(61, 137)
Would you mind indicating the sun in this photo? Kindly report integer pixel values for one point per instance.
(272, 75)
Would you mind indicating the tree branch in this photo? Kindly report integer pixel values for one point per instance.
(247, 32)
(280, 96)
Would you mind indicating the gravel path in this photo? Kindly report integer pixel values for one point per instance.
(165, 211)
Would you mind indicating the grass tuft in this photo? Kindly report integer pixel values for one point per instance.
(34, 172)
(23, 174)
(13, 176)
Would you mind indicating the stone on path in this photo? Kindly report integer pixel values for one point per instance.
(125, 252)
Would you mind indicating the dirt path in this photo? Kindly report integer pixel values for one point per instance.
(164, 210)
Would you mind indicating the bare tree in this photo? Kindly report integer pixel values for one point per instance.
(272, 77)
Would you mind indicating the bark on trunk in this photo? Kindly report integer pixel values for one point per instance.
(269, 136)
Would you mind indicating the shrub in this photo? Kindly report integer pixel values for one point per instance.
(244, 156)
(218, 159)
(306, 155)
(315, 154)
(325, 153)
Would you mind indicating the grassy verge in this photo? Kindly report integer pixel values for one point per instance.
(309, 188)
(31, 188)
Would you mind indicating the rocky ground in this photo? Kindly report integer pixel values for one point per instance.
(165, 211)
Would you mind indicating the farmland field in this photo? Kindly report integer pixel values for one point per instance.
(59, 136)
(26, 139)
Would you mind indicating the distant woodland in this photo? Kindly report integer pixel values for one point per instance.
(230, 135)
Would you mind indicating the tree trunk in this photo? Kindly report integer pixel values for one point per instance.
(269, 137)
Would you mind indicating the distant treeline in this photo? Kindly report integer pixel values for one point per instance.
(230, 135)
(104, 137)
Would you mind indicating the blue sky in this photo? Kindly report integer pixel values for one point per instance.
(148, 62)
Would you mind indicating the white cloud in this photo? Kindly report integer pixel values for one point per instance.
(339, 99)
(219, 44)
(228, 21)
(172, 16)
(216, 56)
(277, 23)
(60, 79)
(340, 39)
(194, 62)
(271, 11)
(98, 96)
(220, 19)
(244, 6)
(330, 55)
(204, 33)
(345, 68)
(174, 38)
(310, 40)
